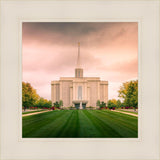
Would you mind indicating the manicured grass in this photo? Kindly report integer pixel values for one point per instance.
(80, 124)
(27, 112)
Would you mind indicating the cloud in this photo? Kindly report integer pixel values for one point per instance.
(89, 34)
(108, 50)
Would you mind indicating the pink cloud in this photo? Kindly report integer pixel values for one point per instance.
(108, 50)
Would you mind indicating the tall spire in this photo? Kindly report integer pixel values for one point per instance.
(78, 58)
(78, 70)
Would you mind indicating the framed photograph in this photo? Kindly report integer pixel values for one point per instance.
(80, 79)
(75, 102)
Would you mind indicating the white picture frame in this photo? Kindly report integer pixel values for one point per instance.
(146, 13)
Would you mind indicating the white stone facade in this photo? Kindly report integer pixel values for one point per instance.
(79, 91)
(66, 89)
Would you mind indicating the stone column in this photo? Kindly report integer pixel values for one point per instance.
(54, 99)
(52, 93)
(98, 84)
(74, 90)
(85, 89)
(88, 96)
(60, 90)
(71, 95)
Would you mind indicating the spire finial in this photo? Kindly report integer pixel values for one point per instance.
(78, 69)
(78, 58)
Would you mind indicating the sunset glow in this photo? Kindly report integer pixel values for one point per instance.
(108, 50)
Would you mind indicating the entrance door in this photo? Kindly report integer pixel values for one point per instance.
(77, 105)
(84, 105)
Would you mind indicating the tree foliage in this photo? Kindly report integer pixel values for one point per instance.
(101, 104)
(60, 103)
(43, 103)
(113, 103)
(119, 104)
(56, 104)
(29, 95)
(98, 103)
(129, 93)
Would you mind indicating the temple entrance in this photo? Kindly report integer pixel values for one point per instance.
(84, 105)
(80, 104)
(77, 105)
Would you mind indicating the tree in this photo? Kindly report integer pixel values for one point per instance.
(98, 103)
(102, 104)
(49, 104)
(60, 103)
(129, 93)
(112, 103)
(43, 103)
(29, 95)
(40, 103)
(56, 104)
(109, 104)
(119, 104)
(31, 98)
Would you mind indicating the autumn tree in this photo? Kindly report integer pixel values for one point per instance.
(119, 104)
(129, 93)
(31, 98)
(43, 103)
(112, 103)
(29, 95)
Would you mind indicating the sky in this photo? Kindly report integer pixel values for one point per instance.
(108, 50)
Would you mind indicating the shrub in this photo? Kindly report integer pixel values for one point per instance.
(53, 108)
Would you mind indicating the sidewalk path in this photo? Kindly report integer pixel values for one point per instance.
(35, 113)
(132, 114)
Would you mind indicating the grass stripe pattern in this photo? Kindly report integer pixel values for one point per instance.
(80, 124)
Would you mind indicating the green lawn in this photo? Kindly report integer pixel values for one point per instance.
(80, 124)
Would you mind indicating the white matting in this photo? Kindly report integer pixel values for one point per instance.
(13, 13)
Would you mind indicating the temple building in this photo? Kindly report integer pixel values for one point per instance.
(79, 91)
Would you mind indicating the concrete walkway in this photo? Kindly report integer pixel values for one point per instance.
(132, 114)
(23, 115)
